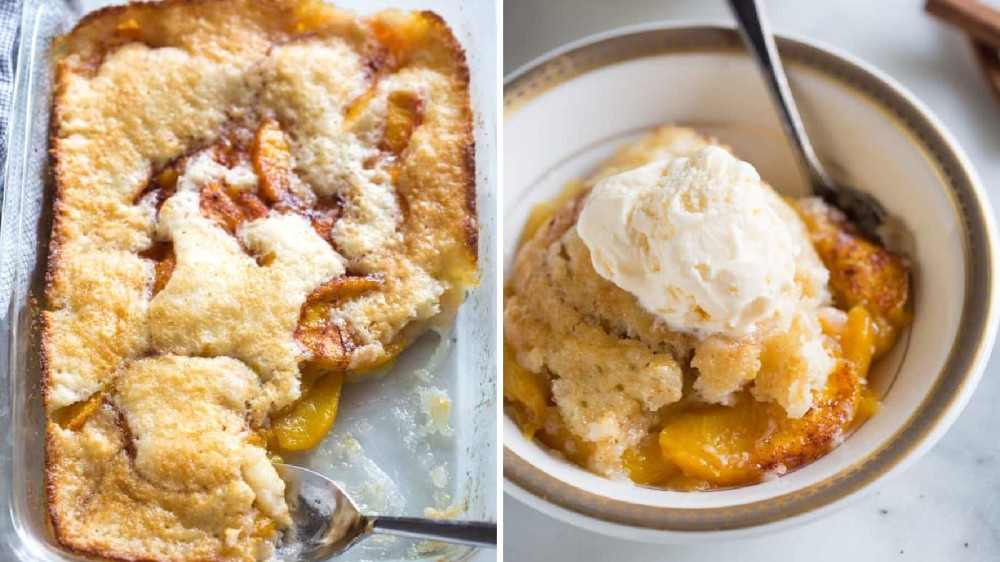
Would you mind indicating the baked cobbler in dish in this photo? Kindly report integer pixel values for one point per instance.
(254, 201)
(673, 321)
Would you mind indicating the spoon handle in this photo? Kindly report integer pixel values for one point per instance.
(756, 33)
(476, 533)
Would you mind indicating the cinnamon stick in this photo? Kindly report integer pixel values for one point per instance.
(989, 62)
(979, 21)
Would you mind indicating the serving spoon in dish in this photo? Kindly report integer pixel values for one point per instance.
(326, 522)
(861, 208)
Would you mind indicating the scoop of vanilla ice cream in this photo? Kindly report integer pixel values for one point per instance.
(701, 242)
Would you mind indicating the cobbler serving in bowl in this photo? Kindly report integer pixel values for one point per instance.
(673, 321)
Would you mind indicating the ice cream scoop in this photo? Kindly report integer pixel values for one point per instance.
(701, 242)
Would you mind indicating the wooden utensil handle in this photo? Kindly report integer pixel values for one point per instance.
(989, 63)
(982, 24)
(980, 21)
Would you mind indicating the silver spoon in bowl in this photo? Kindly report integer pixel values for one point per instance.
(326, 522)
(861, 208)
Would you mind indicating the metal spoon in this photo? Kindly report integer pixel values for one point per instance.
(326, 522)
(861, 208)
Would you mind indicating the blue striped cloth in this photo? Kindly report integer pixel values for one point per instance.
(10, 15)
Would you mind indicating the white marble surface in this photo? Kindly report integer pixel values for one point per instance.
(947, 506)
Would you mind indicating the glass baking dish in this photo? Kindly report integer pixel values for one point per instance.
(376, 448)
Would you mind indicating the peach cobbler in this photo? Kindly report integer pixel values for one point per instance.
(672, 320)
(254, 202)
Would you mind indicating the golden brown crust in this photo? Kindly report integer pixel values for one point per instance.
(861, 272)
(122, 495)
(109, 318)
(799, 442)
(446, 55)
(470, 223)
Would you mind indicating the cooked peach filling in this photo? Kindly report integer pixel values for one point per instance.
(75, 415)
(696, 445)
(306, 422)
(303, 424)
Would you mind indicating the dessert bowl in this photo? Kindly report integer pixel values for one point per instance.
(567, 111)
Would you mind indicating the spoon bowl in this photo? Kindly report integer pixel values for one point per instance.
(863, 210)
(326, 522)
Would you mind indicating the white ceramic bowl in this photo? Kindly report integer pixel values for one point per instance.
(568, 110)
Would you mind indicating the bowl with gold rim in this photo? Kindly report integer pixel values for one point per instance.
(569, 110)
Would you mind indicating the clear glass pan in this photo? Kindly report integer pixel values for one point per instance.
(377, 448)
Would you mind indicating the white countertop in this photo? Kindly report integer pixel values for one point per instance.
(947, 506)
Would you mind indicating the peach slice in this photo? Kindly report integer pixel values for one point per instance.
(306, 422)
(742, 443)
(162, 253)
(329, 346)
(404, 113)
(645, 464)
(527, 389)
(272, 161)
(75, 415)
(862, 273)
